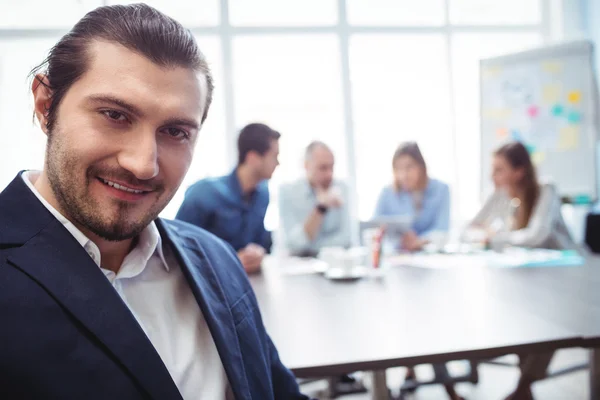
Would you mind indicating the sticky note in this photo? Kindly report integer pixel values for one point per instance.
(551, 94)
(574, 117)
(581, 199)
(557, 110)
(552, 67)
(568, 138)
(515, 135)
(530, 148)
(490, 72)
(501, 133)
(496, 113)
(538, 157)
(532, 111)
(574, 96)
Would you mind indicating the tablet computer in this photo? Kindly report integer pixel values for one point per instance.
(394, 224)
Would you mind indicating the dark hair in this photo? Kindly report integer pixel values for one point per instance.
(137, 27)
(255, 137)
(412, 150)
(518, 157)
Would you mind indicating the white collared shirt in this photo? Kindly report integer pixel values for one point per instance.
(162, 302)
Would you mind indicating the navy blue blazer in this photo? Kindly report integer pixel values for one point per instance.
(66, 334)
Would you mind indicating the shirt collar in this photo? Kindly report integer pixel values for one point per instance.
(149, 239)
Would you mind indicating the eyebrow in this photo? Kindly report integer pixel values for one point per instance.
(190, 123)
(104, 99)
(108, 99)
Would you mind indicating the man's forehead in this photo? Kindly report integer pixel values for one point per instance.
(112, 66)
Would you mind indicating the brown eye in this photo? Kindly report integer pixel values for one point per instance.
(176, 133)
(115, 116)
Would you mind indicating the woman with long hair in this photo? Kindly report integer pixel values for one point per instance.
(521, 211)
(413, 193)
(427, 201)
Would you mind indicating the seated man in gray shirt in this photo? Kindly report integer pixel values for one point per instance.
(314, 210)
(313, 214)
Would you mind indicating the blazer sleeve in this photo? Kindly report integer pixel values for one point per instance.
(284, 382)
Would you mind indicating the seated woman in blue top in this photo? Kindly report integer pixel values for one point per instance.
(427, 201)
(415, 194)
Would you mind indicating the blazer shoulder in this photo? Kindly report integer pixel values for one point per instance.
(217, 252)
(199, 236)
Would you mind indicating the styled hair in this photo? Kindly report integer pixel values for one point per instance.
(516, 154)
(255, 137)
(137, 27)
(412, 150)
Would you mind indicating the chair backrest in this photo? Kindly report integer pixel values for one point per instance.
(592, 232)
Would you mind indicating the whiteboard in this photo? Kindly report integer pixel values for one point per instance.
(546, 99)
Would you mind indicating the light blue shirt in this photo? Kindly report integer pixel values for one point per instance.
(296, 201)
(434, 215)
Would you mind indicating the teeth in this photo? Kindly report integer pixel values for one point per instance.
(123, 188)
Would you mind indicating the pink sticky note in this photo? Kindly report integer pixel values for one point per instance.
(532, 111)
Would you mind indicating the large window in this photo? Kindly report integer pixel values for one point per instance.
(400, 92)
(22, 143)
(467, 50)
(362, 75)
(291, 83)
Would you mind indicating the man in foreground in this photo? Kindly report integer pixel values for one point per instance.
(99, 299)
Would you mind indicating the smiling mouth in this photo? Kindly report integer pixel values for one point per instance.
(121, 187)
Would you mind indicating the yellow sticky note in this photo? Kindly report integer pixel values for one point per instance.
(496, 113)
(574, 96)
(490, 72)
(538, 157)
(551, 94)
(552, 67)
(568, 138)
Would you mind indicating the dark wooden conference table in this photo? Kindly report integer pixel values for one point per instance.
(416, 315)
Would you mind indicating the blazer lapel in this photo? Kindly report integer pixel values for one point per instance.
(215, 309)
(53, 258)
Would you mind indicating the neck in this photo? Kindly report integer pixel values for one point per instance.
(516, 192)
(112, 253)
(248, 179)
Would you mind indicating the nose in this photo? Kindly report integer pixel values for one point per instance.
(140, 155)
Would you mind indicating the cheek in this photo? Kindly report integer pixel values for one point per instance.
(174, 164)
(413, 175)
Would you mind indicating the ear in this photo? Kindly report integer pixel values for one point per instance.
(42, 98)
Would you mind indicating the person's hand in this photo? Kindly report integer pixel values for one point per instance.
(411, 242)
(251, 257)
(330, 198)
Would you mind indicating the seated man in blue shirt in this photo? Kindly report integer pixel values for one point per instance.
(233, 207)
(314, 210)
